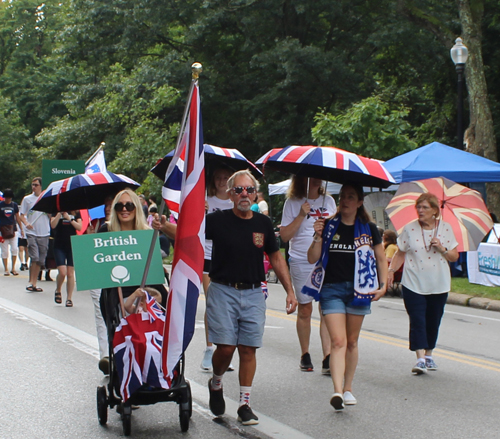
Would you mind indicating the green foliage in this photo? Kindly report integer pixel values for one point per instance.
(15, 150)
(374, 127)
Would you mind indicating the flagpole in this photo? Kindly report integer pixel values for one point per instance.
(101, 147)
(196, 69)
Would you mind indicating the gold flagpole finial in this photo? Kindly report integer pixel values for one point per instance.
(196, 68)
(103, 144)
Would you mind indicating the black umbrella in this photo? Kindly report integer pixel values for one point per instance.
(83, 191)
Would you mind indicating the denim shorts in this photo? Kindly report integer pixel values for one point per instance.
(235, 317)
(63, 256)
(337, 299)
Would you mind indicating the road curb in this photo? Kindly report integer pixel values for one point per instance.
(473, 302)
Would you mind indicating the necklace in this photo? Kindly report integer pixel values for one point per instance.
(436, 224)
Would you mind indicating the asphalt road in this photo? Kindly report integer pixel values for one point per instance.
(49, 377)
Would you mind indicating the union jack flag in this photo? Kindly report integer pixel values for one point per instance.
(187, 266)
(153, 308)
(137, 353)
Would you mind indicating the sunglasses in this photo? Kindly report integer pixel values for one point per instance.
(239, 189)
(128, 205)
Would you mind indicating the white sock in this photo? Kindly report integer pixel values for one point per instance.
(245, 395)
(428, 357)
(216, 382)
(421, 359)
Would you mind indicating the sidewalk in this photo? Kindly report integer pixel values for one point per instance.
(473, 302)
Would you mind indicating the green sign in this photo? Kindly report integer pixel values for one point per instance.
(53, 170)
(115, 259)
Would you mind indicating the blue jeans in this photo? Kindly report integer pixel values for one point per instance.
(425, 312)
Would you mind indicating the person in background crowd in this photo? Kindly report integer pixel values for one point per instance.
(263, 207)
(217, 199)
(390, 244)
(95, 294)
(426, 246)
(37, 233)
(10, 222)
(22, 245)
(300, 211)
(350, 256)
(65, 225)
(144, 205)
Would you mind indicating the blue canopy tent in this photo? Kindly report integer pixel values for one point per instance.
(438, 160)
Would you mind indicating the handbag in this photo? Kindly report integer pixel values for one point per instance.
(7, 231)
(361, 299)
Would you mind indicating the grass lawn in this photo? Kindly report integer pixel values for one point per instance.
(462, 285)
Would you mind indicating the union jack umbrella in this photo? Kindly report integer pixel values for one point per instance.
(327, 163)
(83, 191)
(214, 156)
(461, 207)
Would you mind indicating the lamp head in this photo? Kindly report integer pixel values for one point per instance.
(459, 52)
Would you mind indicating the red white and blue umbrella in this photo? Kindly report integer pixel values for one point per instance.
(215, 156)
(83, 191)
(327, 163)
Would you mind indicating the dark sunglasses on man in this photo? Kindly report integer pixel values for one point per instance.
(238, 190)
(128, 205)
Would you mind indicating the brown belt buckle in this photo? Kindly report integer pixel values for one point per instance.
(237, 285)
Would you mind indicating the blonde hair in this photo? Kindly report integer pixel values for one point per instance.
(211, 189)
(298, 188)
(140, 220)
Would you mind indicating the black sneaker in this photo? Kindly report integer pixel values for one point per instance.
(246, 416)
(325, 370)
(217, 403)
(305, 363)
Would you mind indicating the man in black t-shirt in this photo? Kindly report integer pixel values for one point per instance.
(235, 302)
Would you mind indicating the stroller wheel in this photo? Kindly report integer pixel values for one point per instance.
(184, 420)
(102, 405)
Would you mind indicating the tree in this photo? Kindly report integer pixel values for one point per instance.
(374, 127)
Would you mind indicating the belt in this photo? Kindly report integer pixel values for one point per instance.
(238, 285)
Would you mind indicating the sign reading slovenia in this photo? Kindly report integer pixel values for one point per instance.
(115, 259)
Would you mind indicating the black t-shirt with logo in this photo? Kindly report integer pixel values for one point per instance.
(341, 260)
(239, 246)
(64, 231)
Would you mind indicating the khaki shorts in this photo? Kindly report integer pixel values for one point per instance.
(37, 248)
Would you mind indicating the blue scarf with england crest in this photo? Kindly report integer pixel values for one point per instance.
(365, 271)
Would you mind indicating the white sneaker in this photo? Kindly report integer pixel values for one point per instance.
(230, 368)
(206, 363)
(349, 398)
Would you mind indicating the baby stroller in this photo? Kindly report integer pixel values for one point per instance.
(110, 396)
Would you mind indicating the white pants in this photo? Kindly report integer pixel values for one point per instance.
(100, 326)
(12, 242)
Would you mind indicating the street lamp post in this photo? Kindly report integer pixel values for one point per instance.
(459, 54)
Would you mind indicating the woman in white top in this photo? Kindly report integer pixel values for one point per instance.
(426, 245)
(301, 210)
(217, 199)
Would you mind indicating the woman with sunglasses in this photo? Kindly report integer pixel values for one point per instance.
(426, 245)
(126, 214)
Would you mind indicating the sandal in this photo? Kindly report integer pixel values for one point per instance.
(58, 297)
(14, 273)
(31, 288)
(6, 273)
(69, 303)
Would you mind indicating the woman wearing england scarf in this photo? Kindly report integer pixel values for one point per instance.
(349, 254)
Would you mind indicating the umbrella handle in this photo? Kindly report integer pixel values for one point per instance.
(152, 247)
